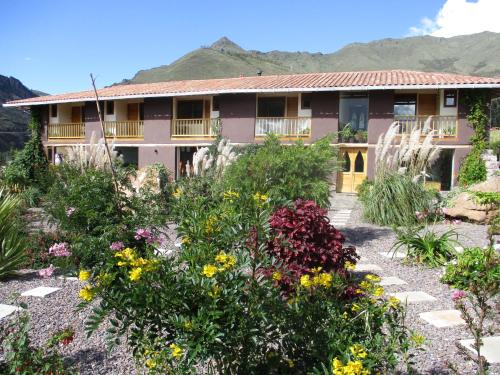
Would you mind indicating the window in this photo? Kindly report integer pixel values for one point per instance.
(215, 103)
(359, 163)
(450, 98)
(53, 110)
(141, 111)
(187, 109)
(405, 105)
(306, 101)
(110, 107)
(271, 107)
(354, 111)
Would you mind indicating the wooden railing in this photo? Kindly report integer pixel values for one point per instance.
(124, 129)
(66, 130)
(443, 126)
(195, 128)
(293, 127)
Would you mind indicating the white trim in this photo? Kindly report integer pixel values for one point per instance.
(253, 91)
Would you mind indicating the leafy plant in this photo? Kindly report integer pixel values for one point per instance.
(21, 357)
(472, 169)
(428, 247)
(12, 243)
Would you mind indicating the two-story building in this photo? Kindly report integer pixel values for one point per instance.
(166, 122)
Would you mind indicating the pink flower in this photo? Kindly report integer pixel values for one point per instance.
(46, 272)
(70, 211)
(117, 246)
(147, 235)
(458, 295)
(457, 221)
(60, 250)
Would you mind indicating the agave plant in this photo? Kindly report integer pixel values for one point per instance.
(12, 244)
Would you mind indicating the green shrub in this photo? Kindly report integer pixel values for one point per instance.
(285, 173)
(472, 169)
(394, 200)
(429, 248)
(12, 242)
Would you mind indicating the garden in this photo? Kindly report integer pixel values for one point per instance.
(248, 265)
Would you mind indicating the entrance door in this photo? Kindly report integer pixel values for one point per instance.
(427, 104)
(76, 114)
(353, 172)
(133, 111)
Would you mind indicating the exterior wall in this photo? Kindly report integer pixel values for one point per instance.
(325, 114)
(44, 112)
(380, 114)
(157, 120)
(91, 121)
(163, 154)
(464, 130)
(458, 157)
(237, 113)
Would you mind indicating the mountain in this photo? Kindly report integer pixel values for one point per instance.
(13, 121)
(476, 54)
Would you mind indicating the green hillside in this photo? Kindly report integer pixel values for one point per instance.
(476, 54)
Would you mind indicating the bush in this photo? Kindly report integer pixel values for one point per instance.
(428, 247)
(12, 243)
(285, 173)
(472, 169)
(394, 200)
(303, 240)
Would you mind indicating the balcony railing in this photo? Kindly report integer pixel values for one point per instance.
(195, 128)
(124, 129)
(293, 127)
(443, 126)
(66, 130)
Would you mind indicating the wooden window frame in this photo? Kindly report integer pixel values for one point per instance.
(110, 107)
(53, 110)
(454, 95)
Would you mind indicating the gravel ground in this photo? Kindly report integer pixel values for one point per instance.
(57, 311)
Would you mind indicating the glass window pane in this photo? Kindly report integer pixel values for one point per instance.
(354, 111)
(346, 165)
(271, 107)
(359, 163)
(187, 109)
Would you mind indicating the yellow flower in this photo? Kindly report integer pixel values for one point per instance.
(210, 227)
(305, 281)
(290, 363)
(276, 276)
(209, 270)
(358, 351)
(355, 307)
(139, 262)
(316, 269)
(83, 275)
(354, 368)
(365, 285)
(186, 240)
(227, 261)
(349, 266)
(378, 291)
(372, 278)
(324, 279)
(221, 257)
(215, 292)
(135, 273)
(177, 193)
(188, 325)
(230, 195)
(176, 351)
(393, 302)
(345, 315)
(150, 363)
(337, 367)
(86, 293)
(122, 263)
(418, 339)
(260, 199)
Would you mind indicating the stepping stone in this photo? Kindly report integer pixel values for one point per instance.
(70, 278)
(413, 297)
(391, 280)
(390, 254)
(41, 291)
(459, 249)
(6, 310)
(490, 348)
(367, 267)
(443, 318)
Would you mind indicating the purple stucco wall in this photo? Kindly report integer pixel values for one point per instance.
(44, 114)
(162, 154)
(157, 120)
(325, 114)
(381, 113)
(237, 113)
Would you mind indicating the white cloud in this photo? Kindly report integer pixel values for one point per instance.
(461, 17)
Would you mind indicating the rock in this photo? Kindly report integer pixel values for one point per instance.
(492, 185)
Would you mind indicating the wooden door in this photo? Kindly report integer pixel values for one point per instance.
(353, 171)
(76, 114)
(207, 111)
(292, 106)
(427, 104)
(133, 112)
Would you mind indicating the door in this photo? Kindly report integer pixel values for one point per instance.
(76, 114)
(427, 104)
(292, 106)
(353, 172)
(133, 111)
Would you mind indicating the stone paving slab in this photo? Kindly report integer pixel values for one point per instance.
(70, 278)
(413, 297)
(443, 318)
(40, 291)
(367, 267)
(490, 348)
(391, 280)
(390, 254)
(6, 310)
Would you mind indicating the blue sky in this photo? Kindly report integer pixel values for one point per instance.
(53, 45)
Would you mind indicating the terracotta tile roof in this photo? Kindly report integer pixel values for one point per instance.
(335, 81)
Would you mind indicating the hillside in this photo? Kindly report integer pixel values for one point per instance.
(476, 54)
(13, 121)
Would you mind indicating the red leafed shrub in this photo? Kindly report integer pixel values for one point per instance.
(305, 239)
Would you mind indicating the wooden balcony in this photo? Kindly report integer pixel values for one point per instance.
(195, 128)
(69, 130)
(124, 129)
(288, 127)
(443, 126)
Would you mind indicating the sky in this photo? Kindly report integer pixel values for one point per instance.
(53, 45)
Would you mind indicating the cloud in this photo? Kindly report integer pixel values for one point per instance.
(461, 17)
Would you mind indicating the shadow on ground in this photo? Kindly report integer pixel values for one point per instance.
(360, 235)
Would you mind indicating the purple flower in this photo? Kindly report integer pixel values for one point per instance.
(60, 250)
(145, 234)
(46, 272)
(70, 211)
(117, 246)
(458, 295)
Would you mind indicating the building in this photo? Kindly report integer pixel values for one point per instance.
(165, 122)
